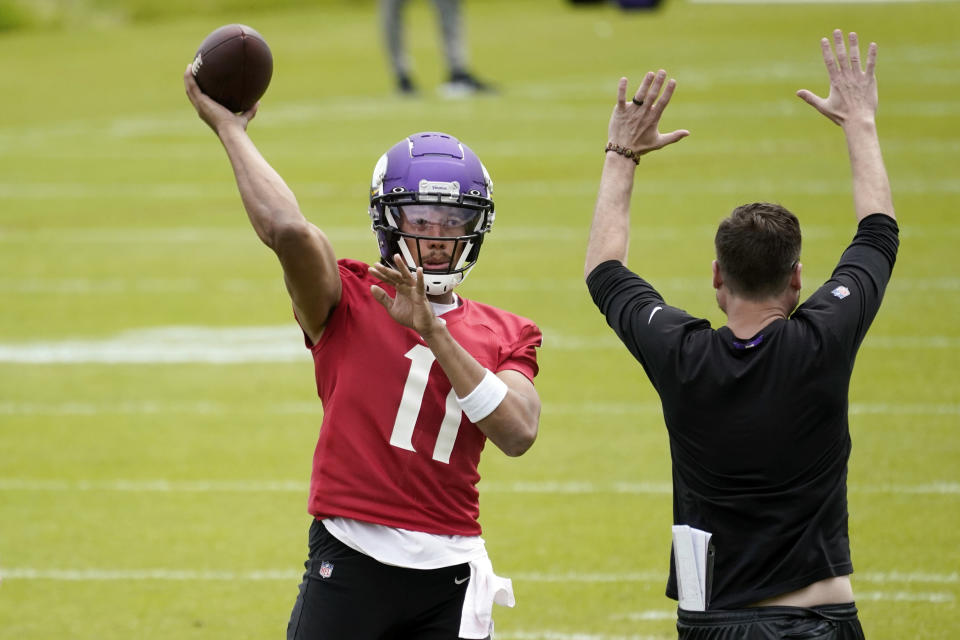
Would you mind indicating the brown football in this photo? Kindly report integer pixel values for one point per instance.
(233, 66)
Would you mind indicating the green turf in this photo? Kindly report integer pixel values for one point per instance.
(177, 491)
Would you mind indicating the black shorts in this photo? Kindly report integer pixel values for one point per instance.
(348, 595)
(826, 622)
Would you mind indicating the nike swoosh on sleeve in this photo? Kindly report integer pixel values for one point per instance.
(655, 309)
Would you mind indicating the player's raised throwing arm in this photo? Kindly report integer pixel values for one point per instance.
(633, 131)
(305, 253)
(852, 104)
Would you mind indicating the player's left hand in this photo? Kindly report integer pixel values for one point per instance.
(410, 307)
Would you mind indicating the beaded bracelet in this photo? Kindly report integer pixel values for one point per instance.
(623, 151)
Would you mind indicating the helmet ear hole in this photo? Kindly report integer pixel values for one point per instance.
(387, 239)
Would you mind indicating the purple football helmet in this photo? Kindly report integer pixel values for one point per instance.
(431, 201)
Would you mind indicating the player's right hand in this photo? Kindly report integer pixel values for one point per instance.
(214, 114)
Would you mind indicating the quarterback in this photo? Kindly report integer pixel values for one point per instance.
(413, 378)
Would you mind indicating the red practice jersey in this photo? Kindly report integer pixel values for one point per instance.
(394, 447)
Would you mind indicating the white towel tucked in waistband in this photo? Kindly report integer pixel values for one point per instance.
(485, 589)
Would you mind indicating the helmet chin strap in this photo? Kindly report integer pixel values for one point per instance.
(435, 284)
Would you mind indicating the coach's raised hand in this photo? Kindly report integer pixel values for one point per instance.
(633, 131)
(853, 91)
(635, 123)
(852, 104)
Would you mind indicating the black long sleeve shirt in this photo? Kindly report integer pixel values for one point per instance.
(758, 429)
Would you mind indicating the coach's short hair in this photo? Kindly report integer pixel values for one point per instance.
(758, 245)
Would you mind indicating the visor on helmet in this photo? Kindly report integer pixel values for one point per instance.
(435, 237)
(433, 221)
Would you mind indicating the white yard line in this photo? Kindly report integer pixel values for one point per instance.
(238, 235)
(53, 191)
(156, 407)
(284, 343)
(944, 488)
(908, 577)
(571, 577)
(526, 105)
(652, 614)
(83, 286)
(293, 576)
(935, 597)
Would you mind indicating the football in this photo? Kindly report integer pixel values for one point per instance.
(233, 66)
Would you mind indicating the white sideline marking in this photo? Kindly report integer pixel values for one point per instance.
(284, 343)
(295, 486)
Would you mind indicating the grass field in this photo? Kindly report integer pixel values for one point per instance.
(158, 416)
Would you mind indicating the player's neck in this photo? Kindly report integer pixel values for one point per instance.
(447, 298)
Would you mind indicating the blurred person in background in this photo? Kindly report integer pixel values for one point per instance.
(460, 81)
(413, 379)
(756, 411)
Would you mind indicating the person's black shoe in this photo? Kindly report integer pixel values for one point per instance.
(405, 85)
(463, 84)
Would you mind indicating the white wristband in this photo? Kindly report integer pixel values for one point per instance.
(484, 398)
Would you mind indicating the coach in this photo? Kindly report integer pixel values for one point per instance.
(757, 410)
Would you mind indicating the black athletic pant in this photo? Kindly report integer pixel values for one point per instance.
(826, 622)
(346, 595)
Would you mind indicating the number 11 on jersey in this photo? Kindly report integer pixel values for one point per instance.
(421, 360)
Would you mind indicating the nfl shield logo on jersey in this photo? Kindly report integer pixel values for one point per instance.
(841, 292)
(326, 569)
